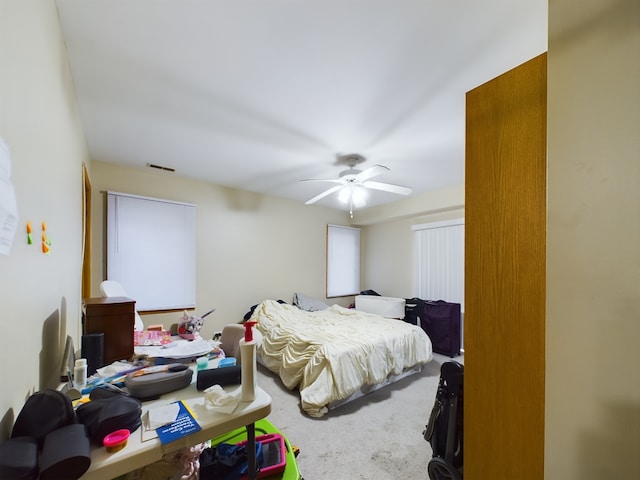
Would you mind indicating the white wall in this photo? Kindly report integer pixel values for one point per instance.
(249, 247)
(39, 294)
(592, 424)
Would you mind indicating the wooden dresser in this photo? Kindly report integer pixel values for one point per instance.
(115, 318)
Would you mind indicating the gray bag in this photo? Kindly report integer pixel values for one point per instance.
(152, 385)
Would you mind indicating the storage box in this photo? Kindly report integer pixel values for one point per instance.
(151, 337)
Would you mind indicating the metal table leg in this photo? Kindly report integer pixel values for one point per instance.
(251, 451)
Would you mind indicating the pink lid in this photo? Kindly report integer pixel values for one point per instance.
(116, 438)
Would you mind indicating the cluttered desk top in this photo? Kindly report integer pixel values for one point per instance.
(145, 447)
(138, 452)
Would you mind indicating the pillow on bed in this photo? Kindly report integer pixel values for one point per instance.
(307, 303)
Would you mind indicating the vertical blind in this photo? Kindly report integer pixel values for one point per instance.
(439, 267)
(343, 261)
(151, 250)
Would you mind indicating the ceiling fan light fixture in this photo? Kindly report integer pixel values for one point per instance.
(358, 196)
(353, 195)
(345, 194)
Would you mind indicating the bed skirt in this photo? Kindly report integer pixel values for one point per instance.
(367, 389)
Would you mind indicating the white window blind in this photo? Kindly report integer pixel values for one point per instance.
(439, 253)
(343, 261)
(151, 250)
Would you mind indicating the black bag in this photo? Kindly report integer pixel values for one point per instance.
(370, 292)
(42, 413)
(441, 322)
(228, 462)
(108, 411)
(413, 308)
(444, 432)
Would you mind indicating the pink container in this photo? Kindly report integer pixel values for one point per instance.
(116, 440)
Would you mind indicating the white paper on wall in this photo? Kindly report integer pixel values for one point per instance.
(8, 204)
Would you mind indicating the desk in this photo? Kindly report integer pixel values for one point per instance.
(137, 453)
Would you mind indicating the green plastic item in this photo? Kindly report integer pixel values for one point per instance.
(264, 427)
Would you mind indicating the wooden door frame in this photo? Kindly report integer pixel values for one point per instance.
(86, 233)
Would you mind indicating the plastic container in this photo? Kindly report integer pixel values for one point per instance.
(248, 364)
(273, 454)
(263, 428)
(116, 440)
(80, 373)
(227, 362)
(202, 363)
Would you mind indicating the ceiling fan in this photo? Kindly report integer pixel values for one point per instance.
(352, 184)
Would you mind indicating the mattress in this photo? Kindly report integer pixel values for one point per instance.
(388, 307)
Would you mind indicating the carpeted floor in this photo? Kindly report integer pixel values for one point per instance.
(377, 437)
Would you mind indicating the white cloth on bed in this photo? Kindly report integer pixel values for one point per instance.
(330, 354)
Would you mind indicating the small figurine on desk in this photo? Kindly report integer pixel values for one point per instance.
(189, 325)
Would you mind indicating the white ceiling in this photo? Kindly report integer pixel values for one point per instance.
(260, 94)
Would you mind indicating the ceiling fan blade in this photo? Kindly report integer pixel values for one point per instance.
(324, 194)
(371, 172)
(330, 180)
(387, 187)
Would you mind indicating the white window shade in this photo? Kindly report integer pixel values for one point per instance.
(343, 261)
(151, 250)
(439, 248)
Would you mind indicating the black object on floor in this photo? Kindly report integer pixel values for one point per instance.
(445, 428)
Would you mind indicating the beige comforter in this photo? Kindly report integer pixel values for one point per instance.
(330, 354)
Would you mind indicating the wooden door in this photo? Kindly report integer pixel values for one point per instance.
(505, 229)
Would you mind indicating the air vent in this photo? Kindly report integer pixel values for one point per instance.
(160, 167)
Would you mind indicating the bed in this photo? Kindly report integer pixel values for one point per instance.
(336, 354)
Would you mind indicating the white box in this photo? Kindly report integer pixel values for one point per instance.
(388, 307)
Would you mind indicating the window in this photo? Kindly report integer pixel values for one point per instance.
(151, 250)
(343, 261)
